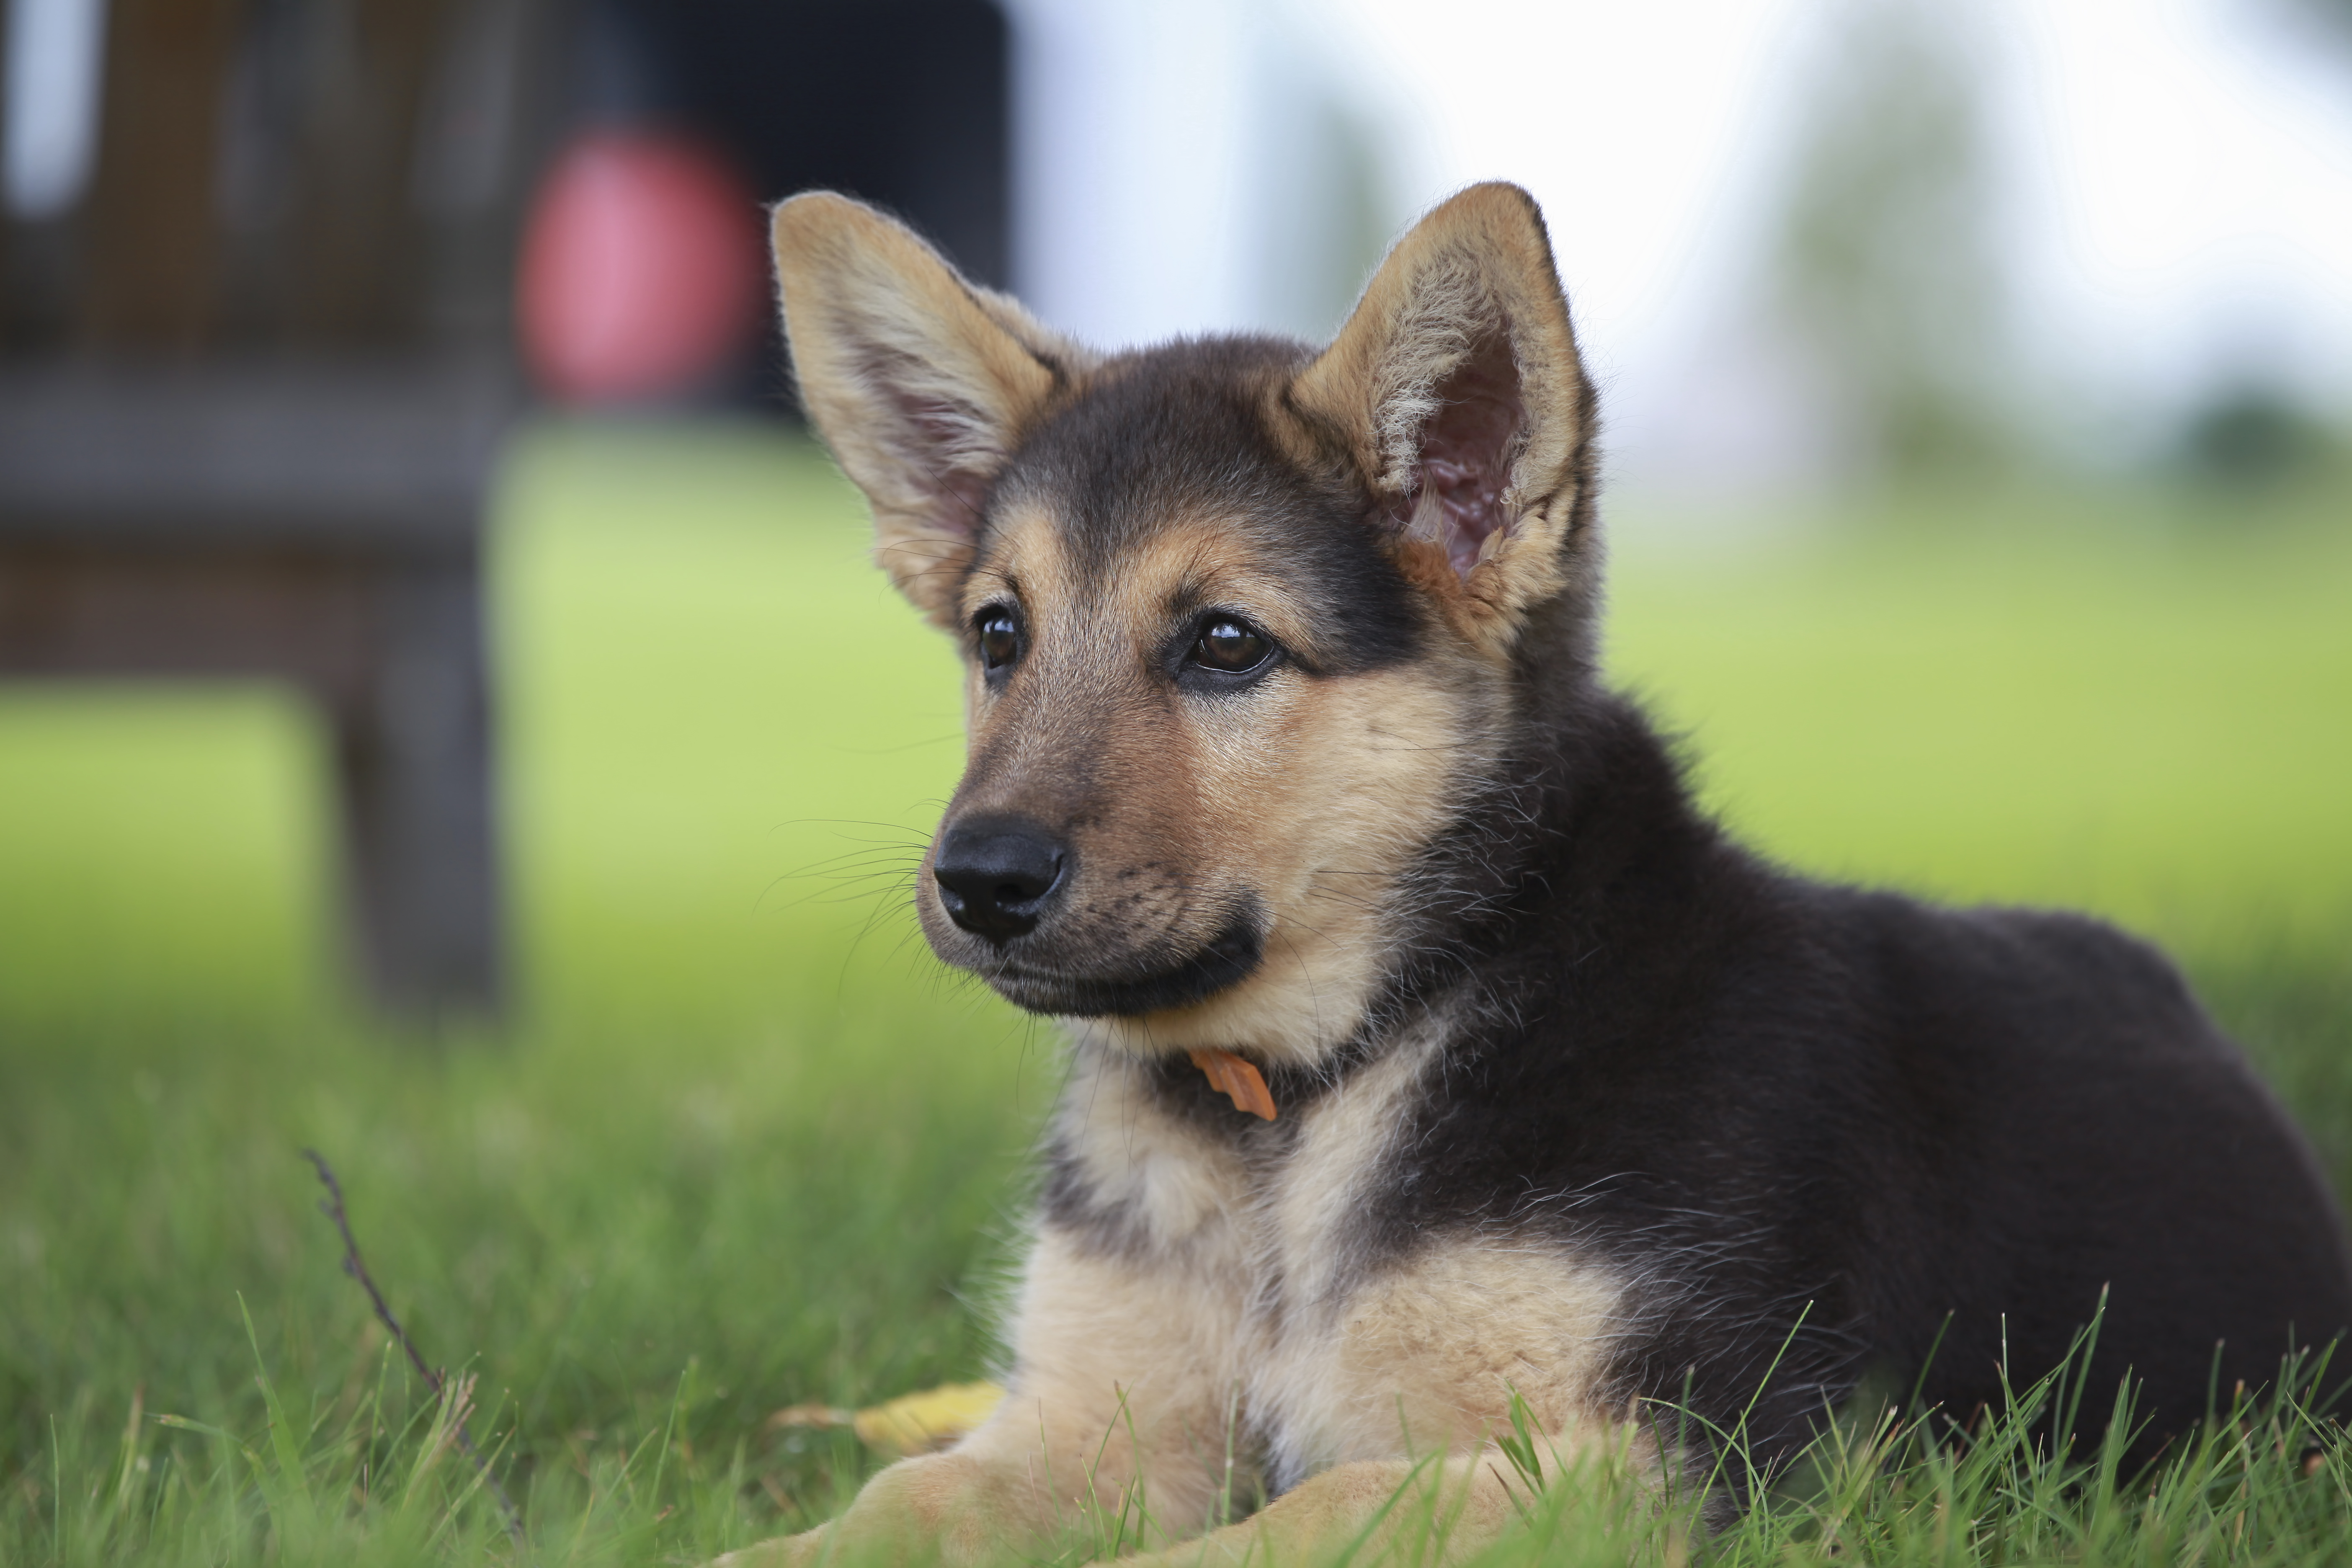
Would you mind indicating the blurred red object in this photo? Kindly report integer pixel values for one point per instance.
(641, 272)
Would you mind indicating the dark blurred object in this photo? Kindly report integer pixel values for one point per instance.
(2253, 437)
(643, 269)
(257, 352)
(2334, 19)
(252, 383)
(905, 104)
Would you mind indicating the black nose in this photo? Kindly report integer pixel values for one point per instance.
(996, 874)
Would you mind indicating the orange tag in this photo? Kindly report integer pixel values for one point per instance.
(1238, 1082)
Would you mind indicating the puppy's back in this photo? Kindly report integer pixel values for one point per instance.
(2081, 1128)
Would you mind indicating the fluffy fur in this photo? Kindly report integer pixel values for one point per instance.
(1577, 1101)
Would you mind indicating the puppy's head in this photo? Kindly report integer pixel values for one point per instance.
(1243, 620)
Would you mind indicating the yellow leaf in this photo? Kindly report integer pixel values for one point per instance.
(918, 1423)
(809, 1416)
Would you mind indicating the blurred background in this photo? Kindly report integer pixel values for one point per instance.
(447, 715)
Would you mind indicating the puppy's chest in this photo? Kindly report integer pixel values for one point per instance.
(1279, 1217)
(1309, 1254)
(1342, 1339)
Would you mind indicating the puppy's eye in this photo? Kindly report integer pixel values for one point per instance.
(1000, 638)
(1231, 645)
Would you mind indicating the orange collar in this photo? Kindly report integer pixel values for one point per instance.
(1237, 1080)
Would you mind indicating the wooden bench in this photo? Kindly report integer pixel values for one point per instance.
(253, 382)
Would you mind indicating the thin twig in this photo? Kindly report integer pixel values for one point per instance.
(331, 1205)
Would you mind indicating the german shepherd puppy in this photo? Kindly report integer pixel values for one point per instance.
(1428, 1049)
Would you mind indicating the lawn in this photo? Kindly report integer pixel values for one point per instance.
(745, 1146)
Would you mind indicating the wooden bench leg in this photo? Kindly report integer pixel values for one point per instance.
(419, 819)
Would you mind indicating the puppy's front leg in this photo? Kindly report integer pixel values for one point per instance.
(1458, 1506)
(1122, 1371)
(945, 1507)
(1442, 1509)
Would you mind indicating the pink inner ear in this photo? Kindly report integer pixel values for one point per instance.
(1466, 450)
(956, 491)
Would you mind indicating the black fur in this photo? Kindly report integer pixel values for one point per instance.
(1172, 431)
(1768, 1099)
(1813, 1124)
(1228, 958)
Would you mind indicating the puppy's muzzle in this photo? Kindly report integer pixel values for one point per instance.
(999, 875)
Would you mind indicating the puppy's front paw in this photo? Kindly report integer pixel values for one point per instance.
(783, 1551)
(938, 1510)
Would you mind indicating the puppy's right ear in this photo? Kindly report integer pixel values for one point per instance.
(920, 383)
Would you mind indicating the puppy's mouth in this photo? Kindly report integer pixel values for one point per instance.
(1229, 958)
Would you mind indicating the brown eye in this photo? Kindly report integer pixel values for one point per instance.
(1000, 638)
(1230, 646)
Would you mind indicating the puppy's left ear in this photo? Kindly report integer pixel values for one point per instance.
(1457, 387)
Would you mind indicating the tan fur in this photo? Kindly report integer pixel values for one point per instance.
(1220, 1295)
(1476, 262)
(1317, 792)
(1362, 1509)
(1321, 797)
(1240, 1307)
(1429, 1361)
(1187, 1188)
(879, 328)
(1423, 1360)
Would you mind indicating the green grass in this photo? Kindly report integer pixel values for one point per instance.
(746, 1146)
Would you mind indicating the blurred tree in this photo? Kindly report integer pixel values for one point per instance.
(2254, 435)
(2258, 430)
(1886, 267)
(1328, 218)
(2334, 15)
